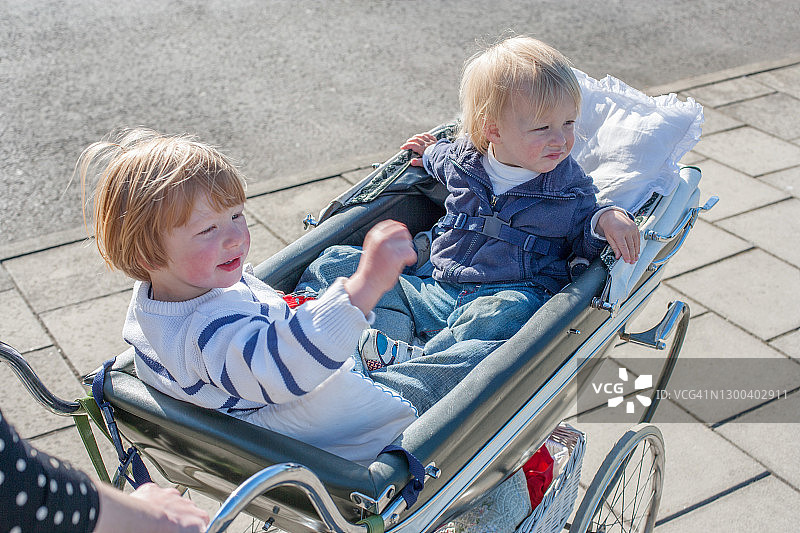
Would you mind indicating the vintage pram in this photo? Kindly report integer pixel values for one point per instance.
(478, 434)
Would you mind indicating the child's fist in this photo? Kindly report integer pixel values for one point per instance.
(387, 250)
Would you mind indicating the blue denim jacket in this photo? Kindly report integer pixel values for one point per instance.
(525, 234)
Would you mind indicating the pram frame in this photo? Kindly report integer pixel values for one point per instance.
(555, 329)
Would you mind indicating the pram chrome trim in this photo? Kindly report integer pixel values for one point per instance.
(286, 474)
(656, 336)
(682, 229)
(427, 515)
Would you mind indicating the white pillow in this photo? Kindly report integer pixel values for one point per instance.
(630, 143)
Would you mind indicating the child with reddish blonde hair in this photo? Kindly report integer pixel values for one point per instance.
(168, 212)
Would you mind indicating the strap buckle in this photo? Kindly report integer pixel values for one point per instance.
(530, 242)
(130, 459)
(460, 221)
(111, 424)
(492, 225)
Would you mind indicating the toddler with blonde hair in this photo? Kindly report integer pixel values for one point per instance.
(521, 215)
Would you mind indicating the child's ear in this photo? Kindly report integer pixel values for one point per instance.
(490, 130)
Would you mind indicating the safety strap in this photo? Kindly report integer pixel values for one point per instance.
(128, 460)
(89, 442)
(374, 524)
(497, 228)
(415, 486)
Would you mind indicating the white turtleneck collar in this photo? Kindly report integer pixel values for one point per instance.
(504, 177)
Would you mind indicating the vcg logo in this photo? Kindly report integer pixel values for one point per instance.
(645, 381)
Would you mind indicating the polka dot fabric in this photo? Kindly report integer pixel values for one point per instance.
(39, 493)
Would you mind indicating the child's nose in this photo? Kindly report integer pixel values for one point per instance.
(558, 138)
(236, 236)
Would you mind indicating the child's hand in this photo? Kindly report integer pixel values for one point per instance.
(621, 233)
(417, 144)
(387, 251)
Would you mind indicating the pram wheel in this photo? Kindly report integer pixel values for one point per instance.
(626, 491)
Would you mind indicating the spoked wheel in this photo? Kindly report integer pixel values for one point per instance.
(626, 491)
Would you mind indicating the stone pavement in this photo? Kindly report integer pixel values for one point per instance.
(739, 272)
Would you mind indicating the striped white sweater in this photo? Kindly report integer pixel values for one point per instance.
(242, 351)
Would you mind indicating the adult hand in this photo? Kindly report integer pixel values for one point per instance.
(150, 509)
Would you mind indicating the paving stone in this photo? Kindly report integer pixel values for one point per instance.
(775, 228)
(778, 114)
(787, 180)
(19, 327)
(64, 275)
(709, 336)
(786, 80)
(5, 280)
(749, 150)
(773, 444)
(690, 449)
(753, 290)
(356, 176)
(90, 332)
(725, 92)
(737, 192)
(710, 341)
(716, 121)
(657, 306)
(788, 344)
(283, 211)
(765, 505)
(705, 244)
(26, 414)
(263, 244)
(692, 158)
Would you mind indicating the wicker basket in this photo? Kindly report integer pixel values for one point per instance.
(559, 499)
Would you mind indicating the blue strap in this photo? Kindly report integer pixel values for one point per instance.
(415, 486)
(497, 228)
(127, 460)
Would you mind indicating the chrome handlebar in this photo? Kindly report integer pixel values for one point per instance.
(292, 474)
(683, 227)
(34, 385)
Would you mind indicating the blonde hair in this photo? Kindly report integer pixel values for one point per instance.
(518, 65)
(147, 186)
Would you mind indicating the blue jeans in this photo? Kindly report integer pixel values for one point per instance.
(458, 324)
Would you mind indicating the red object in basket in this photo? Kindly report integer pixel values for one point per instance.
(539, 474)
